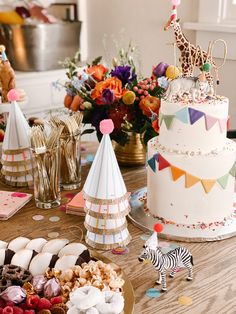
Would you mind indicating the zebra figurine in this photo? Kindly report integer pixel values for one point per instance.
(179, 257)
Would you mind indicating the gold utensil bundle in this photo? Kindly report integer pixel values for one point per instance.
(69, 148)
(46, 157)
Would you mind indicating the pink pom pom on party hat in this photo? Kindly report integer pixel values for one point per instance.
(13, 95)
(176, 2)
(106, 126)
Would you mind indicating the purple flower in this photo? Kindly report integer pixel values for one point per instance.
(124, 73)
(98, 115)
(108, 96)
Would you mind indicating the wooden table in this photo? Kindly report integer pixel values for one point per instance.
(213, 289)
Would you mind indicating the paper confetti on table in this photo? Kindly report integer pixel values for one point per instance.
(184, 300)
(147, 261)
(173, 246)
(120, 250)
(53, 235)
(38, 217)
(153, 293)
(90, 158)
(54, 218)
(145, 236)
(164, 244)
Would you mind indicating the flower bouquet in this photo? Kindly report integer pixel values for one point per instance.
(118, 93)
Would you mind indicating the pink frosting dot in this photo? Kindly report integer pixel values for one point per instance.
(176, 2)
(106, 126)
(13, 95)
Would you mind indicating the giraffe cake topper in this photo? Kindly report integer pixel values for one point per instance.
(191, 57)
(173, 260)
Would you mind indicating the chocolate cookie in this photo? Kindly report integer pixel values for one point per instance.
(15, 274)
(4, 283)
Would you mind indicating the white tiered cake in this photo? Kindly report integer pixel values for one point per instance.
(191, 173)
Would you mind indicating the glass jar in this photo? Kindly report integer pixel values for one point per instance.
(70, 161)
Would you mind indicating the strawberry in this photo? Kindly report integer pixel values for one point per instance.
(1, 310)
(32, 301)
(56, 300)
(44, 304)
(7, 310)
(17, 310)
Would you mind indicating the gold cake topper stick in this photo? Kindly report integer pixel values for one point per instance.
(213, 62)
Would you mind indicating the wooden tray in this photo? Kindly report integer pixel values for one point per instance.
(128, 288)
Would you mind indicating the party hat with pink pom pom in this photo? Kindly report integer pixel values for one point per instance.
(106, 197)
(16, 158)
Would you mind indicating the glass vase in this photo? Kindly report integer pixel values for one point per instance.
(46, 173)
(70, 161)
(133, 153)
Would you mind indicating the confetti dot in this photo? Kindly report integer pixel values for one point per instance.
(184, 300)
(120, 250)
(38, 217)
(164, 244)
(83, 161)
(63, 208)
(54, 218)
(166, 249)
(53, 235)
(90, 158)
(146, 261)
(145, 236)
(153, 293)
(173, 246)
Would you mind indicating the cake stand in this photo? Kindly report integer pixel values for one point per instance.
(143, 220)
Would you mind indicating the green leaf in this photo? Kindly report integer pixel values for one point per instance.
(97, 60)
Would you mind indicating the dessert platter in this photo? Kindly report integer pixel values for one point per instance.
(56, 276)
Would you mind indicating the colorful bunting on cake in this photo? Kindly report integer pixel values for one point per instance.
(189, 115)
(190, 180)
(168, 119)
(195, 115)
(163, 163)
(210, 122)
(222, 124)
(233, 170)
(152, 164)
(223, 180)
(183, 115)
(208, 184)
(176, 172)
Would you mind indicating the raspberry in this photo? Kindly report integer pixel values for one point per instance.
(56, 300)
(10, 303)
(32, 301)
(29, 312)
(17, 310)
(7, 310)
(23, 306)
(1, 310)
(44, 304)
(2, 303)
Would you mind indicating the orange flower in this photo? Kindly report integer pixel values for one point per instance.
(112, 83)
(97, 72)
(149, 104)
(155, 126)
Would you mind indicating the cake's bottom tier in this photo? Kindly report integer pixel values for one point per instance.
(192, 191)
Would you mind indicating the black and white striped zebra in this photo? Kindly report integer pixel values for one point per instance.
(179, 257)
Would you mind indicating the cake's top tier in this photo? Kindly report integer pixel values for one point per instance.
(189, 127)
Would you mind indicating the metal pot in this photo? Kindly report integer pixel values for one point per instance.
(40, 47)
